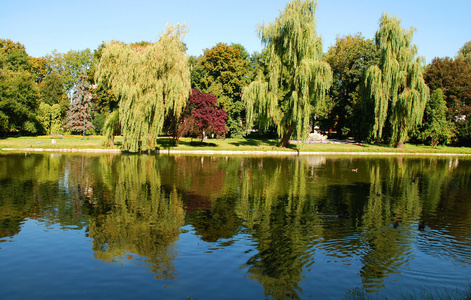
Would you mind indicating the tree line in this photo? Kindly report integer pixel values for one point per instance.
(376, 90)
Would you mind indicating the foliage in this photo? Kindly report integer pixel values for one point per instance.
(297, 78)
(394, 92)
(70, 65)
(223, 72)
(13, 56)
(111, 128)
(197, 72)
(454, 78)
(465, 53)
(208, 118)
(19, 101)
(52, 92)
(79, 118)
(98, 122)
(463, 132)
(152, 82)
(105, 100)
(348, 58)
(50, 117)
(436, 128)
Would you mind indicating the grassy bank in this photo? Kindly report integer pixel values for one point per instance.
(187, 144)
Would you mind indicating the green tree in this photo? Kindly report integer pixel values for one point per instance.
(152, 82)
(453, 76)
(436, 128)
(70, 65)
(19, 101)
(52, 92)
(224, 69)
(79, 118)
(297, 78)
(111, 127)
(50, 117)
(105, 99)
(348, 58)
(465, 53)
(394, 92)
(13, 56)
(18, 91)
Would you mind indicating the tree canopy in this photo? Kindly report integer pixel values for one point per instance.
(453, 76)
(222, 71)
(436, 128)
(152, 81)
(70, 65)
(297, 77)
(348, 58)
(395, 92)
(465, 53)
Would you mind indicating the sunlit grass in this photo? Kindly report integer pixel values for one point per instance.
(243, 144)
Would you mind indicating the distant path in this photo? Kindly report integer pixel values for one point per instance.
(226, 152)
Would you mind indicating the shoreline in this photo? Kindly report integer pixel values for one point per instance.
(230, 152)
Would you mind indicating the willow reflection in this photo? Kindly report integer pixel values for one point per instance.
(294, 210)
(144, 220)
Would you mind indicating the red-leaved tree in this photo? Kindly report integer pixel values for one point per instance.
(202, 116)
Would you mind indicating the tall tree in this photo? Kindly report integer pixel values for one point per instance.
(152, 81)
(348, 58)
(394, 92)
(50, 117)
(19, 102)
(52, 91)
(297, 77)
(14, 56)
(453, 76)
(79, 118)
(435, 127)
(19, 94)
(70, 65)
(105, 99)
(225, 69)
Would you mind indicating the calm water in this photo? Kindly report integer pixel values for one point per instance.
(172, 227)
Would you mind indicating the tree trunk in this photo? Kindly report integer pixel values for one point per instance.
(400, 145)
(112, 141)
(285, 139)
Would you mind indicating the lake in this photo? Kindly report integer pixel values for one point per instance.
(120, 226)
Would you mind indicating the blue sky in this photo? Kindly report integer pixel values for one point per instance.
(42, 26)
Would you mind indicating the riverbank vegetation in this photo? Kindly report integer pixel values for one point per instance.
(237, 145)
(377, 91)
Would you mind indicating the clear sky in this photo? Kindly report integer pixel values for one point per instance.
(42, 26)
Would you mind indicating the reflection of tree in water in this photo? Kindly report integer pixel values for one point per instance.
(217, 222)
(30, 188)
(447, 211)
(290, 206)
(145, 220)
(281, 220)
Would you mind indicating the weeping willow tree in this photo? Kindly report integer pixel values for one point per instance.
(394, 92)
(152, 81)
(297, 79)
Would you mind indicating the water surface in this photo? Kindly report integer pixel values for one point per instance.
(172, 227)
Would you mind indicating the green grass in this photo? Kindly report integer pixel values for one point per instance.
(243, 144)
(60, 142)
